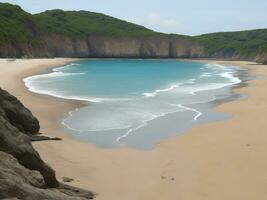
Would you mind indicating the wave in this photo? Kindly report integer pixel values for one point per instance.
(185, 108)
(54, 94)
(57, 72)
(65, 67)
(228, 73)
(69, 97)
(198, 113)
(216, 65)
(225, 73)
(231, 76)
(152, 94)
(71, 113)
(118, 139)
(204, 75)
(52, 74)
(145, 122)
(32, 88)
(170, 88)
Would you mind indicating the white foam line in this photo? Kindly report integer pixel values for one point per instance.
(79, 130)
(51, 93)
(70, 115)
(215, 65)
(152, 94)
(206, 74)
(31, 88)
(225, 74)
(230, 75)
(146, 121)
(198, 114)
(170, 88)
(65, 67)
(129, 131)
(192, 109)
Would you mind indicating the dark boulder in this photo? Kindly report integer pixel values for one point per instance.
(19, 116)
(18, 182)
(23, 174)
(18, 144)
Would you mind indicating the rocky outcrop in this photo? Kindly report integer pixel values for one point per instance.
(19, 182)
(17, 114)
(130, 47)
(261, 58)
(97, 46)
(23, 174)
(106, 47)
(15, 121)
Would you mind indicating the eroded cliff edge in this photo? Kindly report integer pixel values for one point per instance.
(23, 174)
(50, 46)
(105, 47)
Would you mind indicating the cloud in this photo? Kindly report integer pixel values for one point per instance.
(156, 22)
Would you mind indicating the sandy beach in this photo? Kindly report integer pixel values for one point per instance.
(216, 161)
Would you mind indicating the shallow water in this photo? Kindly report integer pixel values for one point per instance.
(137, 102)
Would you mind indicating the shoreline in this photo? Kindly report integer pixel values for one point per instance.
(174, 168)
(166, 119)
(14, 83)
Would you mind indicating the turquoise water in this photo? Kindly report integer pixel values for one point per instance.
(127, 96)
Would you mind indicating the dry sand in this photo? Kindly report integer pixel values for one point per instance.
(224, 160)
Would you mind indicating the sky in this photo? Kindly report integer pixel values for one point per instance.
(188, 17)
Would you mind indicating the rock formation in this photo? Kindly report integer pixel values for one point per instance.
(106, 47)
(23, 174)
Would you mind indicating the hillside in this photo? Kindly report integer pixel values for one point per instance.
(16, 25)
(243, 44)
(58, 33)
(84, 23)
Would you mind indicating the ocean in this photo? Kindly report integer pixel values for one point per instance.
(136, 102)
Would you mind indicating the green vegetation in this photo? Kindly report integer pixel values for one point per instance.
(83, 23)
(243, 43)
(16, 25)
(263, 48)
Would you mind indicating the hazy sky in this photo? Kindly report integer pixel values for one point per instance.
(191, 17)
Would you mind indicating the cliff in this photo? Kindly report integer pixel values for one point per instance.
(23, 174)
(105, 47)
(84, 34)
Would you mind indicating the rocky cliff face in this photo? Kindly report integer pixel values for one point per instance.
(261, 58)
(118, 47)
(105, 47)
(23, 174)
